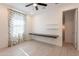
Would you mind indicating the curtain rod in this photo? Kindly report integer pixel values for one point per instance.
(16, 11)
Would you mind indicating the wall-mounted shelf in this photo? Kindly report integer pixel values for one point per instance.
(44, 35)
(52, 27)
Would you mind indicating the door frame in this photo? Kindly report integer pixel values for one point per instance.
(76, 28)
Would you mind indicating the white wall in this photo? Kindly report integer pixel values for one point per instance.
(29, 20)
(3, 27)
(43, 23)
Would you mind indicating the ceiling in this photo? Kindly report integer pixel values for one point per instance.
(30, 9)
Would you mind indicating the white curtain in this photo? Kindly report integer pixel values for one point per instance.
(16, 27)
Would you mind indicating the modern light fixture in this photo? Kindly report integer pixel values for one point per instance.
(34, 4)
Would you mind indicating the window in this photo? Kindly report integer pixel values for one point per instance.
(17, 25)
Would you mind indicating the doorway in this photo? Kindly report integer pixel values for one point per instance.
(70, 28)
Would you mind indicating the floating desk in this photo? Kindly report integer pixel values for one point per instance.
(44, 35)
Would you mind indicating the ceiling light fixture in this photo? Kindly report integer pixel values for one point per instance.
(34, 4)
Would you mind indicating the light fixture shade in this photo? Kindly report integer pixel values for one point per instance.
(34, 4)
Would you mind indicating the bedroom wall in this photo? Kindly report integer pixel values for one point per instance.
(49, 22)
(29, 21)
(3, 27)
